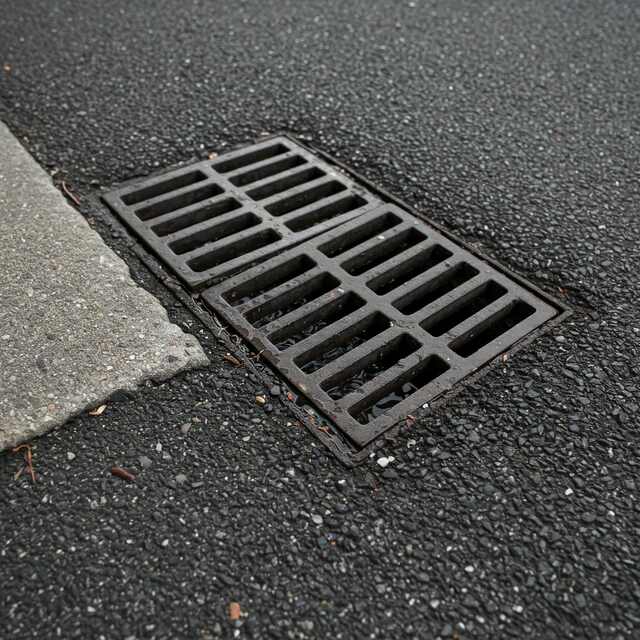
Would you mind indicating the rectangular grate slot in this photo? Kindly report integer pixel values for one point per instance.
(355, 236)
(463, 308)
(265, 171)
(191, 218)
(165, 186)
(291, 300)
(285, 183)
(229, 252)
(316, 321)
(178, 202)
(370, 366)
(389, 395)
(409, 269)
(268, 281)
(328, 211)
(382, 252)
(244, 160)
(430, 291)
(215, 233)
(492, 328)
(304, 198)
(335, 347)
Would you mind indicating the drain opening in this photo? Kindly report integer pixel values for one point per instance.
(313, 323)
(214, 233)
(404, 386)
(178, 202)
(463, 308)
(191, 218)
(224, 254)
(285, 183)
(326, 212)
(292, 299)
(387, 249)
(304, 198)
(427, 293)
(359, 235)
(369, 367)
(492, 328)
(266, 171)
(166, 186)
(415, 266)
(245, 159)
(342, 343)
(268, 281)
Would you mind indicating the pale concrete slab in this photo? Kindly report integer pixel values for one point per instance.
(74, 327)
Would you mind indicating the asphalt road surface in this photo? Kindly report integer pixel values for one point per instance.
(512, 511)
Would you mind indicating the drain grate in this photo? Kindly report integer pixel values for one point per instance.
(377, 316)
(216, 217)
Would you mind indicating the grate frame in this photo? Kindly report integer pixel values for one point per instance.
(213, 218)
(245, 317)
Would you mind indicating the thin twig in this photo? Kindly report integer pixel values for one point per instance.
(70, 195)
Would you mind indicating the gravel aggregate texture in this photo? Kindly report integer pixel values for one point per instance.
(510, 512)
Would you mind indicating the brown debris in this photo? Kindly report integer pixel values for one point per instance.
(69, 194)
(234, 611)
(123, 474)
(28, 462)
(232, 359)
(98, 411)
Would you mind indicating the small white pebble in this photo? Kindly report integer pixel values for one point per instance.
(159, 447)
(568, 492)
(71, 456)
(469, 568)
(411, 443)
(165, 542)
(518, 608)
(317, 518)
(434, 604)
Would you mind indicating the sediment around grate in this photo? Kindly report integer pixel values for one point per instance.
(376, 317)
(214, 218)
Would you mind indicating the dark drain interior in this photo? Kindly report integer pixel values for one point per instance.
(364, 308)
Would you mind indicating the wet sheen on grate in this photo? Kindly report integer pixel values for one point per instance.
(217, 217)
(376, 317)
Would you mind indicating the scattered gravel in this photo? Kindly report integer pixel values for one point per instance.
(515, 126)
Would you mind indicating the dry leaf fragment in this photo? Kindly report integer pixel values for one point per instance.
(234, 611)
(98, 411)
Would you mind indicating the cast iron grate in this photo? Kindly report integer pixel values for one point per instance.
(376, 317)
(216, 217)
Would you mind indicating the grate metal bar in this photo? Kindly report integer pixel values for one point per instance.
(387, 367)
